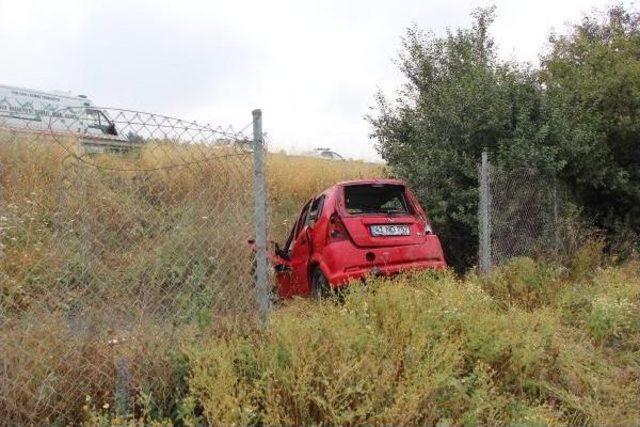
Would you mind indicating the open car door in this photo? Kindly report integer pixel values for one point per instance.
(291, 272)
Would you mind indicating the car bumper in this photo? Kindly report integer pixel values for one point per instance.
(343, 263)
(341, 279)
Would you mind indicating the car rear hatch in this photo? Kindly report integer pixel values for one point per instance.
(377, 215)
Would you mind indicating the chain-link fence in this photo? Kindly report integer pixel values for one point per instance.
(120, 232)
(520, 213)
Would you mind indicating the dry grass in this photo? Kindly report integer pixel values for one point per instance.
(127, 291)
(149, 245)
(54, 371)
(292, 180)
(434, 350)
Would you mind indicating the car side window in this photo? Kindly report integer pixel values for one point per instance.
(288, 246)
(303, 219)
(316, 209)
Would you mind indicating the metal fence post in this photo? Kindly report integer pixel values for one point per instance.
(122, 388)
(556, 216)
(260, 204)
(484, 217)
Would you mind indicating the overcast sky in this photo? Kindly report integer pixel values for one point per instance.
(312, 66)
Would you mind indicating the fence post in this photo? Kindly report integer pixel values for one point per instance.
(556, 216)
(260, 205)
(484, 216)
(122, 388)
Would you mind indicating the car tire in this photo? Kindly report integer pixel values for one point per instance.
(320, 287)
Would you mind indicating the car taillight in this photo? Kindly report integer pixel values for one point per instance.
(336, 230)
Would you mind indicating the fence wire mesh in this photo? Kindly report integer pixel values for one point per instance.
(521, 214)
(120, 232)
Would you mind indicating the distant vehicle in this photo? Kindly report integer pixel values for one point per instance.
(326, 153)
(60, 113)
(351, 230)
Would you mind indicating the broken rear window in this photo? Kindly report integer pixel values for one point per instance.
(372, 199)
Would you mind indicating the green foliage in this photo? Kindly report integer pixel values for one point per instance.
(576, 117)
(608, 317)
(430, 349)
(592, 77)
(459, 99)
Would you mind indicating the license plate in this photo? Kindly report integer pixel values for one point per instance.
(390, 230)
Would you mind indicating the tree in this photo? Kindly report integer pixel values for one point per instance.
(458, 99)
(592, 80)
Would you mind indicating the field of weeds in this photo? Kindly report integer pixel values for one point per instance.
(535, 343)
(168, 224)
(122, 283)
(111, 259)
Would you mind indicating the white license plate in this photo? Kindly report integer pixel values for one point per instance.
(390, 230)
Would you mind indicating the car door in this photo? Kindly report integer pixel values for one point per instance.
(299, 253)
(306, 244)
(295, 255)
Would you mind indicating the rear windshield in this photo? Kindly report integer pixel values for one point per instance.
(371, 199)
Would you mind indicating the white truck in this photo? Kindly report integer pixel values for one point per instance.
(60, 113)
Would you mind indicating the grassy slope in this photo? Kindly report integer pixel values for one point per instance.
(292, 180)
(159, 234)
(534, 343)
(128, 253)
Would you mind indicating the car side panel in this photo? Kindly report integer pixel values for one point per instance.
(318, 238)
(300, 261)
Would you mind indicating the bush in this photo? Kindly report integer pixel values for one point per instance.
(431, 349)
(526, 283)
(54, 373)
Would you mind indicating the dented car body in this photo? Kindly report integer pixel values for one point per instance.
(352, 230)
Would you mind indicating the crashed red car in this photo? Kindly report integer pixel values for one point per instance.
(352, 230)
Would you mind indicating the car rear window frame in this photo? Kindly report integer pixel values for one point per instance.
(345, 211)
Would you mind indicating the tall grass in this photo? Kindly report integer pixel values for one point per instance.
(554, 349)
(126, 300)
(152, 221)
(147, 246)
(292, 180)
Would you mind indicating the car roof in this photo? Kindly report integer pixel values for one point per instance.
(380, 181)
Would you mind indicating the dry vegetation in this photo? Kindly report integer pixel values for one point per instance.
(112, 312)
(292, 180)
(432, 349)
(125, 257)
(535, 343)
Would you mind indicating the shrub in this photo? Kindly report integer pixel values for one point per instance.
(525, 282)
(609, 317)
(427, 349)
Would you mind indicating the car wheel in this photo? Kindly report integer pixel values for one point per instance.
(319, 284)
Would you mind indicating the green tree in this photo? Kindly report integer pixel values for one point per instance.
(592, 80)
(458, 99)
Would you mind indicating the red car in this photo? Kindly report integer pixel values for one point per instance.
(351, 230)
